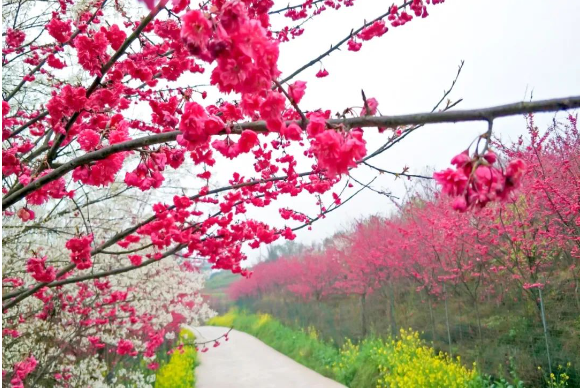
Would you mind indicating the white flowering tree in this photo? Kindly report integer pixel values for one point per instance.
(93, 331)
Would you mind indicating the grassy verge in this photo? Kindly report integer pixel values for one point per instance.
(179, 371)
(405, 361)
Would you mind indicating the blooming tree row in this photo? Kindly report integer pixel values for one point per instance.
(105, 101)
(512, 249)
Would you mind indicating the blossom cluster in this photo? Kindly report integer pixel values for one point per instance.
(476, 181)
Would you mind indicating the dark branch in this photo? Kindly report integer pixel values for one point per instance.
(483, 114)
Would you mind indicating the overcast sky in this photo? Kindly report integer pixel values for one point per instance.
(510, 48)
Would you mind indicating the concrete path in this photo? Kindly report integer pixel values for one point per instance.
(245, 361)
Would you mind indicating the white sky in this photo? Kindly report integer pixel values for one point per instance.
(509, 47)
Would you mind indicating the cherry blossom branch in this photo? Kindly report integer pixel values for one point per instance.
(53, 150)
(294, 104)
(125, 252)
(483, 114)
(383, 193)
(32, 121)
(339, 44)
(291, 7)
(195, 343)
(22, 294)
(133, 229)
(26, 292)
(448, 106)
(116, 271)
(128, 41)
(397, 174)
(322, 214)
(43, 114)
(41, 64)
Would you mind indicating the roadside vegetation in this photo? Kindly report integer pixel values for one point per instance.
(402, 361)
(179, 371)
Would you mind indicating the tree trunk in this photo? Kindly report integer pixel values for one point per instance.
(430, 304)
(394, 328)
(576, 293)
(447, 320)
(460, 316)
(363, 314)
(478, 321)
(319, 319)
(545, 330)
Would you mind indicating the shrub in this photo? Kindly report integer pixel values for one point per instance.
(180, 370)
(226, 320)
(408, 362)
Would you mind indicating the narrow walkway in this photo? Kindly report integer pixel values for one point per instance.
(245, 361)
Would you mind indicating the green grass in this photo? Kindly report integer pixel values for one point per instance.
(220, 280)
(216, 290)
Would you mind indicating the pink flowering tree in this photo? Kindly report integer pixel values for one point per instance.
(366, 265)
(104, 100)
(535, 233)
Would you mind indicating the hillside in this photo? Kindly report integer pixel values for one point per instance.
(216, 287)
